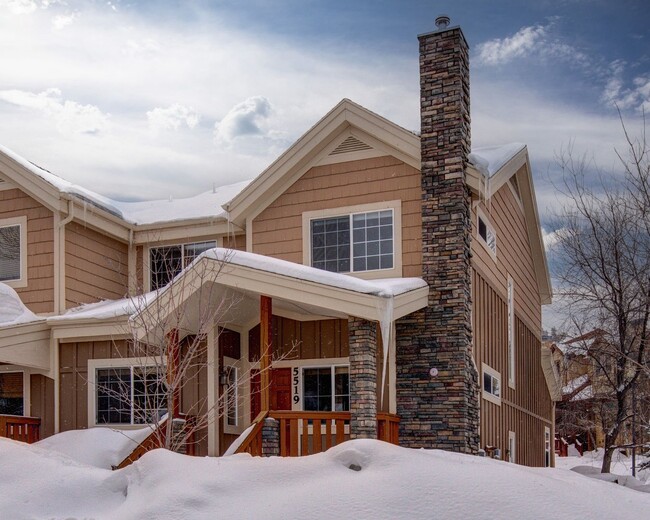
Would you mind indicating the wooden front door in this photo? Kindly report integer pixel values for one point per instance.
(280, 391)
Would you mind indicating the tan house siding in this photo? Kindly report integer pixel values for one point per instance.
(277, 231)
(73, 366)
(514, 256)
(96, 266)
(237, 242)
(527, 408)
(38, 296)
(42, 402)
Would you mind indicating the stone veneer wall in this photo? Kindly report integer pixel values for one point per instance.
(363, 378)
(442, 411)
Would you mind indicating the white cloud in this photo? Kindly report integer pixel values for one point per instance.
(616, 93)
(63, 20)
(245, 119)
(502, 50)
(172, 117)
(19, 6)
(70, 117)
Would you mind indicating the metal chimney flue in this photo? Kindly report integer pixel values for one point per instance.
(442, 22)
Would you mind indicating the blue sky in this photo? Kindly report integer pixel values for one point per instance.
(151, 99)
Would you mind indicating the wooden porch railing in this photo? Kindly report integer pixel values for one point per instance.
(19, 428)
(307, 433)
(253, 442)
(157, 439)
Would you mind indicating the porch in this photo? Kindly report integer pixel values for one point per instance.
(20, 428)
(308, 351)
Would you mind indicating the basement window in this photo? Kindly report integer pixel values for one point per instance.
(491, 385)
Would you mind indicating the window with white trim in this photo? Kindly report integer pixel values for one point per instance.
(547, 447)
(486, 233)
(11, 393)
(12, 250)
(353, 243)
(165, 262)
(129, 395)
(326, 389)
(491, 384)
(511, 333)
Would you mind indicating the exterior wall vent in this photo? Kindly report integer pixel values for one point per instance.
(351, 144)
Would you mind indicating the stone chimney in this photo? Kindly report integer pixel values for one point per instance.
(437, 381)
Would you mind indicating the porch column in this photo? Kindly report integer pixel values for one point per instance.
(363, 378)
(173, 362)
(266, 338)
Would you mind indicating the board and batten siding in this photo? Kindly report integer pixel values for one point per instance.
(277, 230)
(73, 370)
(527, 408)
(42, 402)
(96, 266)
(38, 296)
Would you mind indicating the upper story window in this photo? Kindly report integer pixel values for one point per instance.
(167, 261)
(353, 243)
(13, 251)
(486, 233)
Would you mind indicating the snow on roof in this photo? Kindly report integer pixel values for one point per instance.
(575, 383)
(12, 309)
(204, 205)
(491, 159)
(385, 288)
(106, 309)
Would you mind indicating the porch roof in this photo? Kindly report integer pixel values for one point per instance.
(231, 282)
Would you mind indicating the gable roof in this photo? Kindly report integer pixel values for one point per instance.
(349, 126)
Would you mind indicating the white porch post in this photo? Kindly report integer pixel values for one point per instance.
(213, 389)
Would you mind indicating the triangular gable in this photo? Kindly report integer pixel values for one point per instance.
(347, 126)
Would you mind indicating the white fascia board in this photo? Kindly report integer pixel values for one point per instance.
(91, 328)
(181, 230)
(410, 301)
(31, 184)
(27, 345)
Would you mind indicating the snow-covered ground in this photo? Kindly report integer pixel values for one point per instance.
(621, 464)
(40, 482)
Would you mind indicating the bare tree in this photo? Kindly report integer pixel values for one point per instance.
(603, 275)
(170, 328)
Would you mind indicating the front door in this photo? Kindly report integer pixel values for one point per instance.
(280, 391)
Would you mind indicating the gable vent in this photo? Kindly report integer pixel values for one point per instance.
(351, 144)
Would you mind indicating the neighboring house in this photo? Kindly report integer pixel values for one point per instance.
(429, 313)
(587, 366)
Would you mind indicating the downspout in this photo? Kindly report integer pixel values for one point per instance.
(60, 305)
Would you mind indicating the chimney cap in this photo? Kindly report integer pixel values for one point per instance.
(442, 22)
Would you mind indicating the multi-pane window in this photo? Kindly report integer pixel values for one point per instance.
(130, 395)
(167, 261)
(326, 389)
(9, 253)
(487, 234)
(353, 243)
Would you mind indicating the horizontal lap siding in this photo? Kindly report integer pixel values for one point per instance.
(514, 256)
(277, 231)
(96, 266)
(38, 296)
